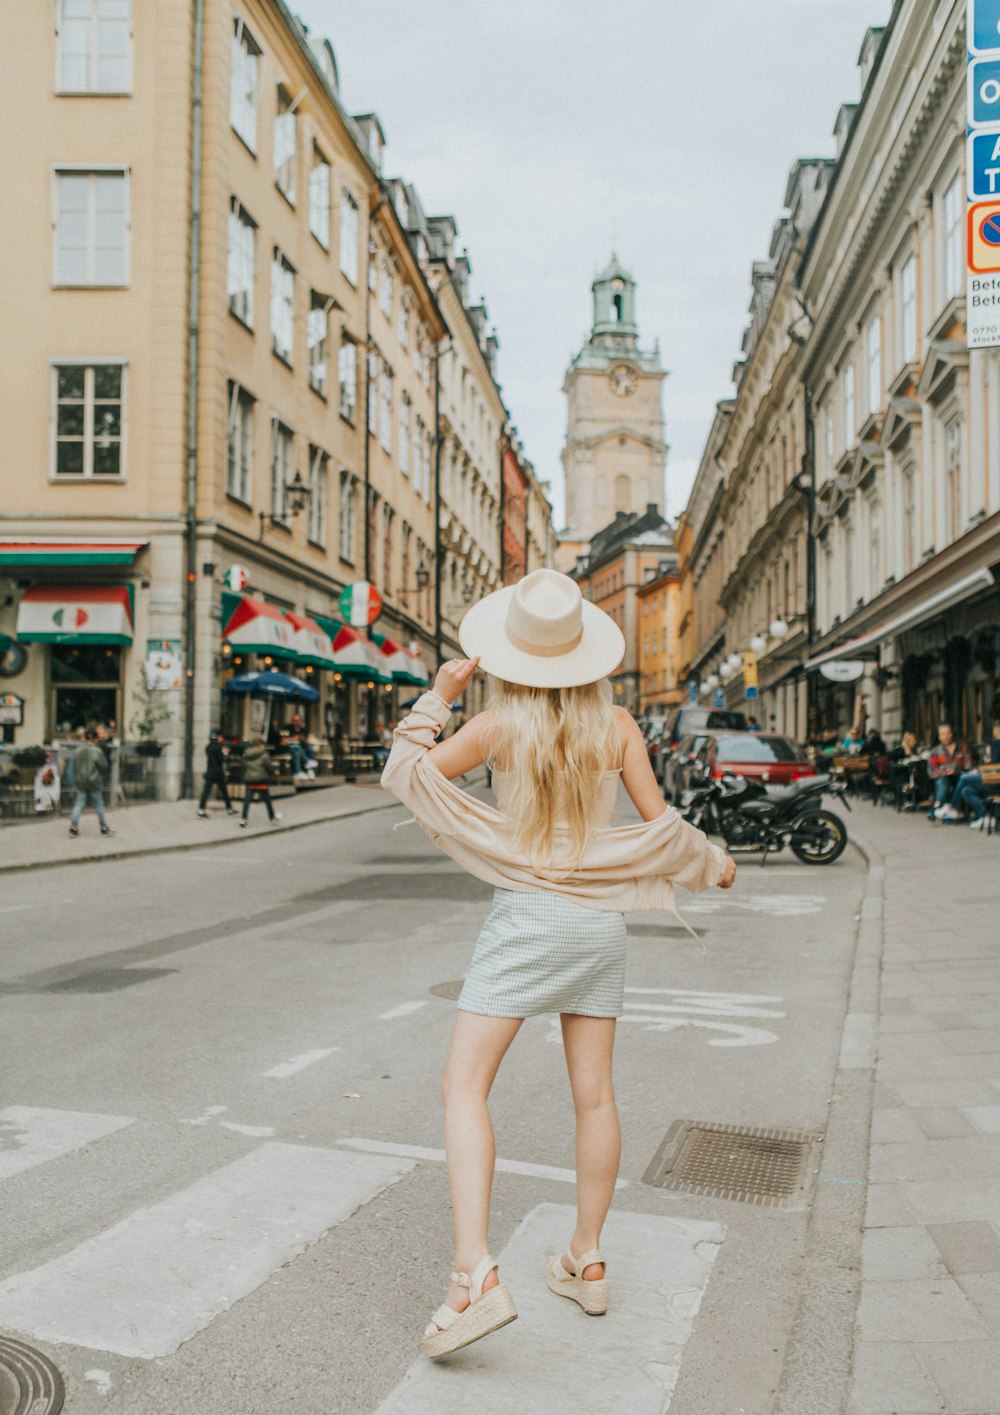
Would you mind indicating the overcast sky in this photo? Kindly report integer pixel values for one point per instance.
(556, 129)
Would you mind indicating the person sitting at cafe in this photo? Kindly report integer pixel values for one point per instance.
(852, 742)
(948, 759)
(874, 744)
(968, 795)
(908, 770)
(303, 756)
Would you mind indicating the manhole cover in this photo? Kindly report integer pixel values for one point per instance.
(753, 1164)
(29, 1383)
(448, 990)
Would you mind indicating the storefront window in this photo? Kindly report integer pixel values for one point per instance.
(86, 687)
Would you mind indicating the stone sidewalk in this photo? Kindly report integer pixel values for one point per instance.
(144, 828)
(928, 1323)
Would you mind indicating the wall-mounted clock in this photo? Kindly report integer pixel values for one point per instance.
(12, 659)
(623, 380)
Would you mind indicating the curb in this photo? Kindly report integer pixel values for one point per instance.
(817, 1366)
(187, 845)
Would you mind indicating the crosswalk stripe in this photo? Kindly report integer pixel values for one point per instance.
(152, 1281)
(658, 1268)
(298, 1063)
(30, 1135)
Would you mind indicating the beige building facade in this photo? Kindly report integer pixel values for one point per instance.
(226, 355)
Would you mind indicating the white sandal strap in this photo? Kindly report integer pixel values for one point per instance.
(461, 1279)
(442, 1319)
(592, 1255)
(483, 1268)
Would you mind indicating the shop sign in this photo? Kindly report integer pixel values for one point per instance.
(749, 675)
(163, 664)
(360, 604)
(237, 577)
(982, 301)
(11, 710)
(843, 670)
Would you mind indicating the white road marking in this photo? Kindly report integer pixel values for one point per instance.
(257, 1132)
(206, 1115)
(418, 1152)
(735, 1036)
(782, 906)
(699, 995)
(299, 1063)
(688, 1008)
(403, 1010)
(149, 1283)
(101, 1379)
(29, 1136)
(659, 1270)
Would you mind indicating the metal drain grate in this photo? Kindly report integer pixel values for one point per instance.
(448, 990)
(752, 1164)
(29, 1383)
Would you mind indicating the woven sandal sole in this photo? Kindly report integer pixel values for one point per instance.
(493, 1310)
(591, 1296)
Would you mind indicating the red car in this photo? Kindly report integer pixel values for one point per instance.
(759, 756)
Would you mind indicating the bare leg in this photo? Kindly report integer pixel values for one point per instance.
(478, 1045)
(588, 1043)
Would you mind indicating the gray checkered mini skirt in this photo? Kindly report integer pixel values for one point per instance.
(540, 952)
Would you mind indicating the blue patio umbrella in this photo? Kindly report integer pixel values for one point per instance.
(271, 685)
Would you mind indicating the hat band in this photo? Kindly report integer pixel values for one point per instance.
(543, 650)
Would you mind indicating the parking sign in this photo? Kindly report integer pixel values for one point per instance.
(984, 25)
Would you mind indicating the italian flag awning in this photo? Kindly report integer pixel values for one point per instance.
(25, 551)
(354, 656)
(254, 626)
(76, 614)
(312, 644)
(401, 662)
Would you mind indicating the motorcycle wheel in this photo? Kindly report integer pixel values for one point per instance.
(825, 842)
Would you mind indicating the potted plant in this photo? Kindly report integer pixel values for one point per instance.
(33, 757)
(150, 712)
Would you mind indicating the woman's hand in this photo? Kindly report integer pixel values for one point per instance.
(454, 677)
(729, 877)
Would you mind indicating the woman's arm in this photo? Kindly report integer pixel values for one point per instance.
(464, 749)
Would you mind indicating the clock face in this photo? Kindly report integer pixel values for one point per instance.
(12, 660)
(623, 380)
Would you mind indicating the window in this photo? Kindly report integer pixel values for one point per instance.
(953, 471)
(847, 387)
(404, 434)
(418, 353)
(88, 420)
(243, 92)
(91, 227)
(425, 368)
(385, 290)
(954, 245)
(347, 377)
(239, 444)
(318, 326)
(349, 236)
(388, 517)
(94, 46)
(372, 276)
(242, 228)
(908, 301)
(873, 359)
(319, 199)
(406, 539)
(385, 408)
(348, 516)
(285, 145)
(317, 495)
(281, 468)
(404, 323)
(282, 306)
(372, 418)
(828, 436)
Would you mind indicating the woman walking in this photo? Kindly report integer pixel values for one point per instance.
(555, 938)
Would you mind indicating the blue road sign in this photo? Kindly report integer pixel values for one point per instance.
(984, 25)
(692, 690)
(750, 693)
(984, 164)
(984, 91)
(719, 700)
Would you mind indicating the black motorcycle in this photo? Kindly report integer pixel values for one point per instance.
(750, 816)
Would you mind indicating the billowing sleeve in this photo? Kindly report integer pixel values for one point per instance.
(413, 738)
(691, 860)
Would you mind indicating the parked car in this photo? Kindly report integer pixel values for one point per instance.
(675, 767)
(655, 743)
(700, 719)
(759, 756)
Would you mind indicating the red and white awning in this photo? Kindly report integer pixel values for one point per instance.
(357, 657)
(75, 614)
(312, 644)
(254, 626)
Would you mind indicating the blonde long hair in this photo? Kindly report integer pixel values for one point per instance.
(531, 731)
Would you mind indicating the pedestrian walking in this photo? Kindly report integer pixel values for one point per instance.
(90, 771)
(554, 940)
(215, 773)
(258, 773)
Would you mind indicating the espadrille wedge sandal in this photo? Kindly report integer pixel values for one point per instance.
(591, 1295)
(449, 1330)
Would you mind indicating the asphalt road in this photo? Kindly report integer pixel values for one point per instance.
(220, 1131)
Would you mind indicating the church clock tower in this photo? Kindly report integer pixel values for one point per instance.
(615, 454)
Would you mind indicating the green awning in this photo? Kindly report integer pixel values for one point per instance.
(55, 553)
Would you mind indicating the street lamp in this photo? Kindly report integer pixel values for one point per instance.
(778, 629)
(712, 681)
(758, 644)
(297, 495)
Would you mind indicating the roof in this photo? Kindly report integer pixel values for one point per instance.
(614, 270)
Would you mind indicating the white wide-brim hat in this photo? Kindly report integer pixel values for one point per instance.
(542, 633)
